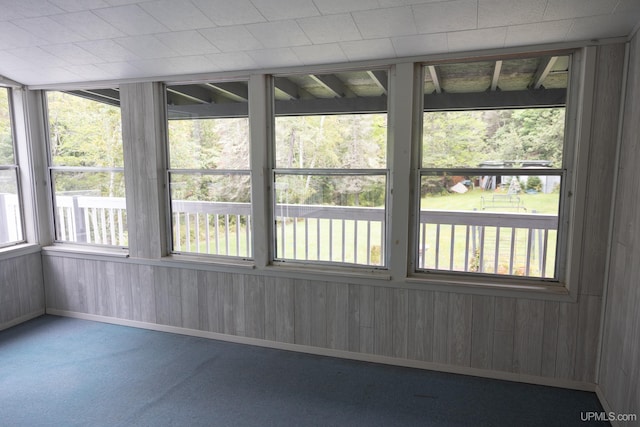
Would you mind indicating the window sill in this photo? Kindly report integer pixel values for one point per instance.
(21, 249)
(200, 261)
(494, 286)
(322, 272)
(82, 251)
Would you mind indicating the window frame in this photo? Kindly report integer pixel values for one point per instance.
(338, 266)
(16, 170)
(571, 196)
(52, 169)
(220, 258)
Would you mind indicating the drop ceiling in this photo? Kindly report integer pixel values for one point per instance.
(48, 42)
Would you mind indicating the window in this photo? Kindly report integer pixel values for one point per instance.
(330, 177)
(86, 167)
(10, 212)
(492, 169)
(209, 169)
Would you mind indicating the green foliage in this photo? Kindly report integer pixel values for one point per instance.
(534, 183)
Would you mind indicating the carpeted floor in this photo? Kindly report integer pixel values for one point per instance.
(66, 372)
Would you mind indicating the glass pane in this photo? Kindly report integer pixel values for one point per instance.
(90, 207)
(348, 141)
(211, 214)
(209, 143)
(84, 132)
(330, 218)
(532, 137)
(6, 139)
(505, 225)
(10, 219)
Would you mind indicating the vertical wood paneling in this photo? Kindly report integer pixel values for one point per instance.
(604, 133)
(566, 349)
(337, 316)
(188, 284)
(123, 292)
(420, 325)
(254, 307)
(383, 321)
(400, 319)
(285, 311)
(9, 295)
(503, 335)
(106, 289)
(528, 337)
(460, 321)
(367, 319)
(354, 318)
(550, 338)
(588, 337)
(21, 287)
(71, 297)
(318, 315)
(208, 301)
(143, 298)
(226, 308)
(34, 286)
(441, 327)
(483, 315)
(270, 314)
(302, 319)
(238, 290)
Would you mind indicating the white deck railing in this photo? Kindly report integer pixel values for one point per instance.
(10, 219)
(469, 241)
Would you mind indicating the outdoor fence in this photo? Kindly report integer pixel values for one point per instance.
(467, 241)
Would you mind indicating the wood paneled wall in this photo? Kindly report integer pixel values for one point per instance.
(21, 289)
(519, 335)
(619, 377)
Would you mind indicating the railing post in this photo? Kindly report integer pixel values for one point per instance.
(79, 224)
(4, 223)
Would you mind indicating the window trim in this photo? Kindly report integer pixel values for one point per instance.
(51, 168)
(573, 192)
(16, 167)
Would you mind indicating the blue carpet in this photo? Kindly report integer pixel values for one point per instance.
(58, 371)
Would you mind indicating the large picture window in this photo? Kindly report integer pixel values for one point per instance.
(87, 167)
(209, 169)
(492, 167)
(11, 231)
(330, 177)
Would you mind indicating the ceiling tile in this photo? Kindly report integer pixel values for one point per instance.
(11, 62)
(123, 2)
(231, 39)
(225, 12)
(565, 9)
(421, 44)
(447, 16)
(108, 50)
(49, 30)
(78, 5)
(397, 21)
(499, 13)
(91, 72)
(121, 70)
(155, 67)
(177, 15)
(279, 34)
(12, 36)
(45, 75)
(395, 3)
(146, 47)
(88, 25)
(131, 20)
(538, 33)
(320, 54)
(27, 9)
(332, 28)
(368, 49)
(329, 7)
(275, 10)
(73, 54)
(486, 38)
(233, 61)
(38, 57)
(632, 6)
(187, 42)
(600, 27)
(195, 64)
(275, 58)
